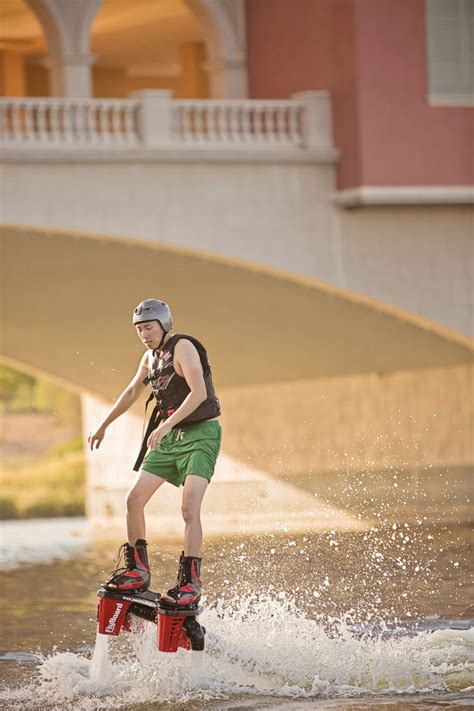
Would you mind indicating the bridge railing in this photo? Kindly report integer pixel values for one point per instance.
(68, 121)
(154, 119)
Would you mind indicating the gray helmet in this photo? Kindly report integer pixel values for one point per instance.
(154, 310)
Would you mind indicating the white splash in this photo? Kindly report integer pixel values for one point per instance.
(257, 646)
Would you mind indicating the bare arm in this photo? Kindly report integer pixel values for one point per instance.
(125, 400)
(187, 364)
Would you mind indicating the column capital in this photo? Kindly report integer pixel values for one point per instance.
(67, 26)
(80, 60)
(224, 26)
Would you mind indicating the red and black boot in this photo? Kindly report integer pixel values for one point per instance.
(189, 587)
(135, 576)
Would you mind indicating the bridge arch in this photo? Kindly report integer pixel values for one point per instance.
(68, 298)
(320, 387)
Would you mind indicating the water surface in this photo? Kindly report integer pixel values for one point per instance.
(373, 619)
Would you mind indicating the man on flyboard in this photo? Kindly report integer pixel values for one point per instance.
(181, 445)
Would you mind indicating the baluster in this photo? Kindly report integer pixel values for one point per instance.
(98, 123)
(234, 124)
(257, 123)
(61, 122)
(5, 125)
(86, 122)
(273, 134)
(281, 132)
(54, 113)
(176, 129)
(68, 134)
(29, 134)
(93, 123)
(246, 135)
(200, 124)
(116, 127)
(293, 125)
(194, 125)
(108, 134)
(229, 125)
(9, 122)
(81, 133)
(188, 122)
(180, 123)
(128, 124)
(3, 121)
(221, 123)
(268, 131)
(240, 123)
(16, 122)
(212, 124)
(104, 123)
(74, 123)
(42, 133)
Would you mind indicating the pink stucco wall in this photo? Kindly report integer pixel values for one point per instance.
(404, 140)
(371, 56)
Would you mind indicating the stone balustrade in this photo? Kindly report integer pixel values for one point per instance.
(153, 119)
(68, 121)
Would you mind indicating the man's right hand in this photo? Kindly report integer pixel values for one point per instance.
(96, 438)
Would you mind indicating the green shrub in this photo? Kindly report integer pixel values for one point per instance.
(66, 405)
(12, 381)
(48, 507)
(61, 450)
(46, 487)
(8, 509)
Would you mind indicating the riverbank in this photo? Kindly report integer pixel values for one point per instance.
(49, 486)
(43, 469)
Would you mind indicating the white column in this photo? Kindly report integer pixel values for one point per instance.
(317, 118)
(223, 22)
(227, 78)
(67, 26)
(70, 75)
(154, 116)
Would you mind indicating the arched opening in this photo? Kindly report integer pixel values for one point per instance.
(143, 45)
(194, 48)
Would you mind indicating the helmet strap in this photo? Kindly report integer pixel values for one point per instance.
(161, 342)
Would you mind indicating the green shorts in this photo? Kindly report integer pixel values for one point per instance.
(192, 449)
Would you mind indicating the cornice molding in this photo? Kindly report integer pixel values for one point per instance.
(406, 195)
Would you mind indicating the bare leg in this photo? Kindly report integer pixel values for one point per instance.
(193, 492)
(140, 493)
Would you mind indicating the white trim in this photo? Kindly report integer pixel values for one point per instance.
(406, 195)
(466, 101)
(168, 153)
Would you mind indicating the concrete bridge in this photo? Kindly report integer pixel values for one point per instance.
(339, 329)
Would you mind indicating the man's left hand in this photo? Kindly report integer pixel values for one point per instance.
(157, 435)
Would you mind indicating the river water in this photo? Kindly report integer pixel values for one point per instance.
(377, 619)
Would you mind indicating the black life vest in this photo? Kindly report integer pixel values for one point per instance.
(170, 389)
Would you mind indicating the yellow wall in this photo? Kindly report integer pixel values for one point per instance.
(109, 82)
(191, 83)
(138, 83)
(37, 80)
(12, 73)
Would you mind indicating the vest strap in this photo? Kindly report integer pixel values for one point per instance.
(154, 421)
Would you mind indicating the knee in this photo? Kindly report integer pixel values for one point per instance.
(190, 512)
(133, 501)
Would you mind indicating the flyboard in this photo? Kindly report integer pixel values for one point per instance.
(177, 625)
